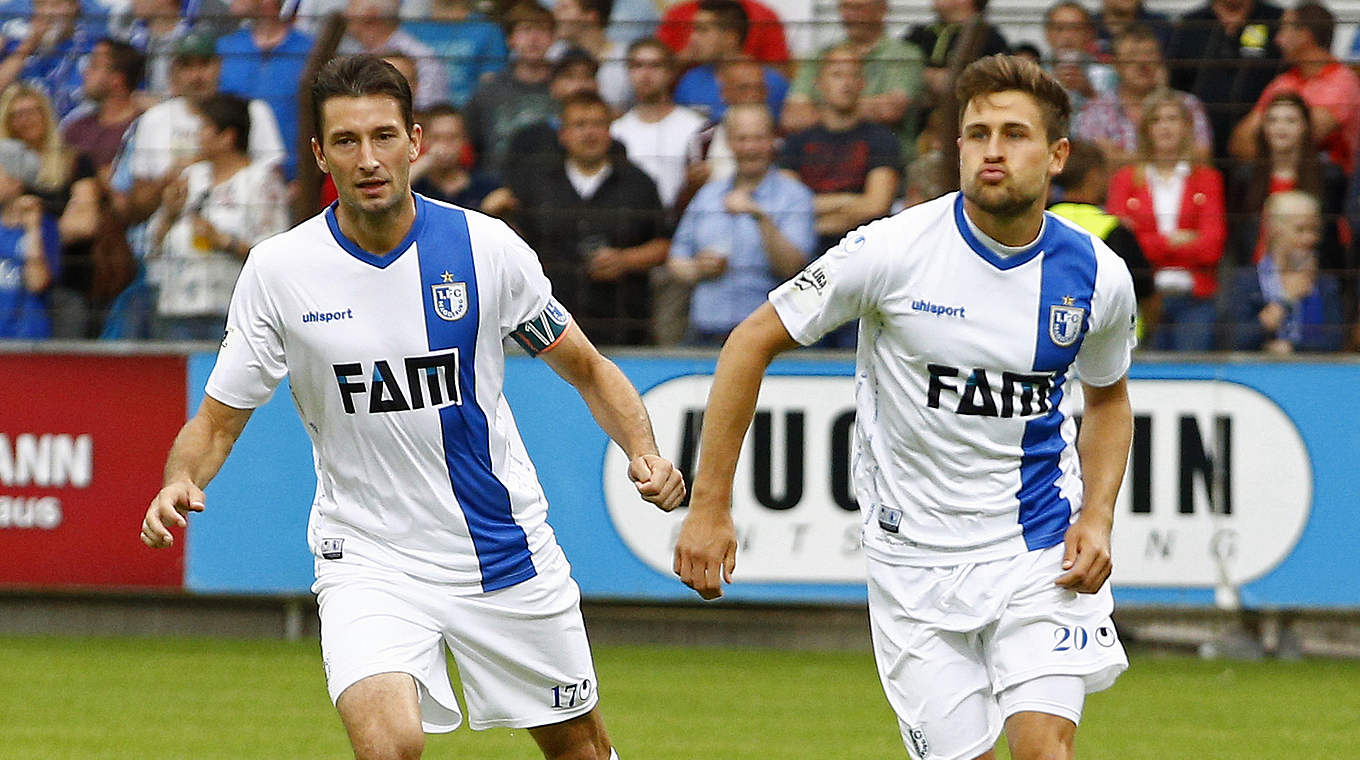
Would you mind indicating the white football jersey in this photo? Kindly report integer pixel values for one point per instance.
(964, 437)
(396, 365)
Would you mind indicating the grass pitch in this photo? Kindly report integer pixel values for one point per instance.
(202, 699)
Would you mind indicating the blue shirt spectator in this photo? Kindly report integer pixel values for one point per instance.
(271, 75)
(470, 46)
(29, 247)
(701, 88)
(708, 228)
(46, 52)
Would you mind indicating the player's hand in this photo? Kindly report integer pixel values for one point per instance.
(1087, 557)
(169, 508)
(706, 554)
(657, 481)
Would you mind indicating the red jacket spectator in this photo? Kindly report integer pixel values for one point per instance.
(1201, 212)
(765, 42)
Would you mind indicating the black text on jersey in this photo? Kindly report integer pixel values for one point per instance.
(428, 380)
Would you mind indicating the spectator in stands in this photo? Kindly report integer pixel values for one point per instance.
(764, 41)
(657, 133)
(374, 27)
(740, 237)
(581, 25)
(1223, 53)
(439, 173)
(1116, 17)
(28, 247)
(153, 27)
(720, 30)
(537, 148)
(48, 53)
(1175, 208)
(598, 226)
(405, 65)
(1073, 53)
(210, 217)
(69, 193)
(1286, 159)
(165, 139)
(1284, 303)
(112, 74)
(892, 72)
(469, 45)
(1331, 90)
(711, 159)
(852, 165)
(264, 60)
(517, 96)
(658, 136)
(1111, 121)
(958, 36)
(1085, 183)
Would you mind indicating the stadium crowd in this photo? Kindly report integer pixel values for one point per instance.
(671, 161)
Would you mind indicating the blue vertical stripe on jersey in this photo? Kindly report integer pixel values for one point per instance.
(1067, 278)
(502, 549)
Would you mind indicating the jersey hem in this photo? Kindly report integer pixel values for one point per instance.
(231, 399)
(1105, 382)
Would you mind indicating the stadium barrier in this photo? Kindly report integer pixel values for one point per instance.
(1241, 483)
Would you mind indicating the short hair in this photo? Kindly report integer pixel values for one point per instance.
(602, 8)
(1137, 32)
(442, 108)
(227, 111)
(1285, 198)
(1084, 158)
(1317, 20)
(527, 12)
(737, 109)
(584, 99)
(126, 60)
(1000, 73)
(357, 76)
(655, 44)
(571, 58)
(1073, 4)
(730, 15)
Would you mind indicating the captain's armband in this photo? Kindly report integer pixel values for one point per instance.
(544, 330)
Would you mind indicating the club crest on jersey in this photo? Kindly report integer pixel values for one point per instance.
(450, 300)
(1064, 323)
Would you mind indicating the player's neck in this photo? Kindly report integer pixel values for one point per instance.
(1014, 231)
(378, 232)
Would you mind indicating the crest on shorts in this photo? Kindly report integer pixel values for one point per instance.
(450, 300)
(1064, 322)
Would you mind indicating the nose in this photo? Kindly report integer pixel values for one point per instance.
(368, 157)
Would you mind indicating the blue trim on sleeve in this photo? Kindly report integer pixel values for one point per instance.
(1067, 280)
(502, 548)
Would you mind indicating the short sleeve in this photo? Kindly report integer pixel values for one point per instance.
(842, 285)
(251, 362)
(529, 313)
(1106, 351)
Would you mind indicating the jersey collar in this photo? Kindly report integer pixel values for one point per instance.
(987, 254)
(386, 259)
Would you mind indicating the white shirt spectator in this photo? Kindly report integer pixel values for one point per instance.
(660, 148)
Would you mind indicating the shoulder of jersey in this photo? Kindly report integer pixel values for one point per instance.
(1102, 250)
(898, 231)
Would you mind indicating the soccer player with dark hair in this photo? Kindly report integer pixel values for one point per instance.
(986, 517)
(388, 312)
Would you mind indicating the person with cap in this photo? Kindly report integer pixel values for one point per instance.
(29, 247)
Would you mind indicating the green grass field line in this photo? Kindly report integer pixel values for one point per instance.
(204, 699)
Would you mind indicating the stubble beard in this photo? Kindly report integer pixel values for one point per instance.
(1008, 204)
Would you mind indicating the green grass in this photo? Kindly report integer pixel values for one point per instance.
(200, 699)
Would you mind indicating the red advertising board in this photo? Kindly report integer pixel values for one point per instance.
(82, 444)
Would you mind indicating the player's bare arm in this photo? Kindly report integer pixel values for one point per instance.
(1103, 447)
(618, 409)
(706, 554)
(197, 454)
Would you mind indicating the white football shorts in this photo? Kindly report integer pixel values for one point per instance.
(953, 643)
(521, 651)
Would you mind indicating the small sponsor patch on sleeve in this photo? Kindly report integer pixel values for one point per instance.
(806, 290)
(543, 331)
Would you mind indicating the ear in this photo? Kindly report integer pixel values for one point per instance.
(319, 156)
(417, 136)
(1062, 148)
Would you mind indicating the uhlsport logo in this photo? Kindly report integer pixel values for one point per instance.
(450, 298)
